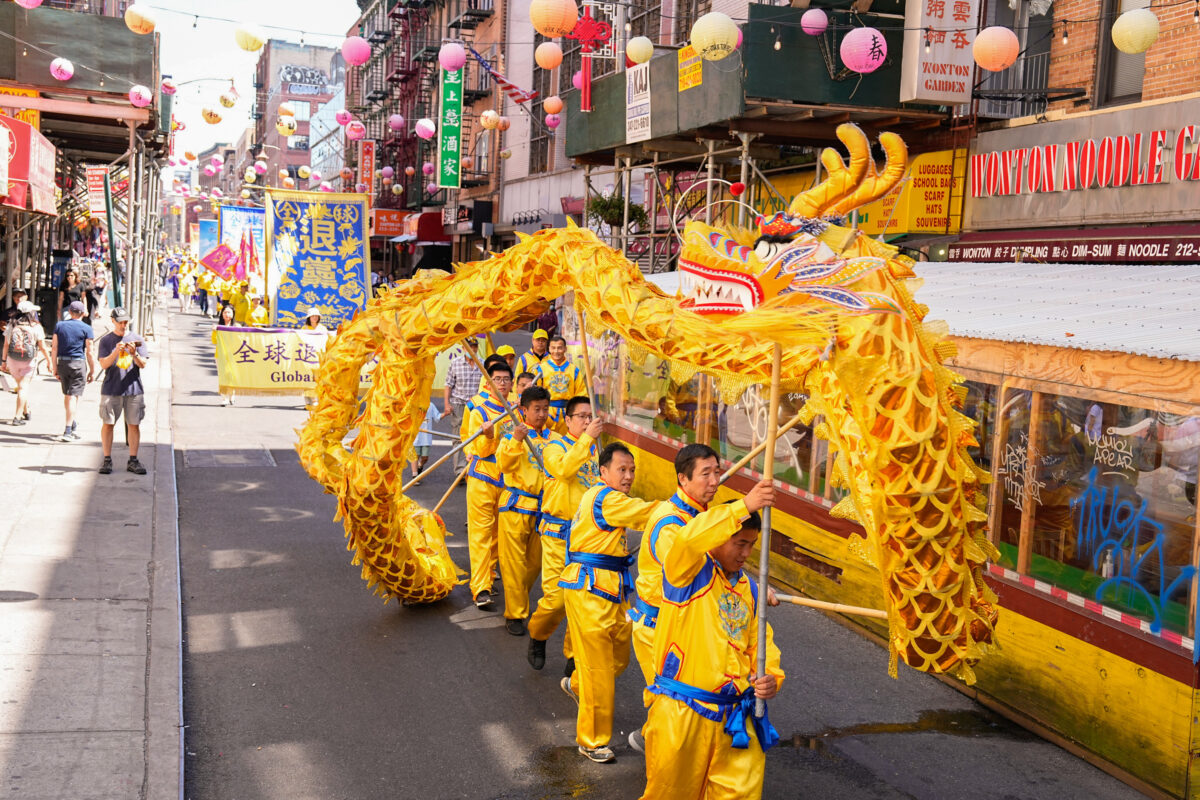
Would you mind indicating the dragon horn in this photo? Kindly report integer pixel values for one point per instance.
(842, 180)
(875, 186)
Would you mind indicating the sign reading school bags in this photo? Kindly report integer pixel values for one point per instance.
(317, 255)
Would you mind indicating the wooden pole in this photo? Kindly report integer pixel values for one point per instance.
(824, 606)
(450, 491)
(508, 409)
(758, 449)
(587, 360)
(439, 434)
(764, 544)
(425, 473)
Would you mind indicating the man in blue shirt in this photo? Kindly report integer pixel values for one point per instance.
(73, 362)
(122, 355)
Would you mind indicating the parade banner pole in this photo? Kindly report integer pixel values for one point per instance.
(441, 435)
(450, 491)
(753, 454)
(587, 360)
(457, 448)
(808, 602)
(508, 409)
(764, 543)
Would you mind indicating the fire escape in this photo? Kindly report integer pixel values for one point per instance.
(402, 148)
(476, 86)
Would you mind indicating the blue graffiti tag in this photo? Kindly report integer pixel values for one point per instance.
(1111, 526)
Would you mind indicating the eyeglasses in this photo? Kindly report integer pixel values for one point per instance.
(582, 416)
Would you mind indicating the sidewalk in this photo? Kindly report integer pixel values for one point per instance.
(89, 603)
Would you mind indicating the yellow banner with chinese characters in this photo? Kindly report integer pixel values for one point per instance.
(272, 360)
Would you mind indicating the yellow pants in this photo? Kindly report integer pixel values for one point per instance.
(520, 561)
(550, 609)
(643, 649)
(600, 634)
(482, 500)
(689, 757)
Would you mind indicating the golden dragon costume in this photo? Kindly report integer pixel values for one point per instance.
(852, 341)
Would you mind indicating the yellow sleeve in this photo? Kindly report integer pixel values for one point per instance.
(579, 385)
(564, 463)
(683, 560)
(509, 454)
(214, 336)
(721, 521)
(483, 446)
(623, 511)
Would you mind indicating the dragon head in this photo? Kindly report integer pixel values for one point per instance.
(724, 272)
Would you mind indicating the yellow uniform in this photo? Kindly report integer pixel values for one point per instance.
(571, 470)
(528, 362)
(596, 581)
(258, 317)
(669, 517)
(241, 307)
(484, 484)
(702, 739)
(520, 549)
(563, 381)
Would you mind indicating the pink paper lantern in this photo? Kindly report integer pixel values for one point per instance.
(217, 161)
(427, 168)
(396, 122)
(863, 50)
(326, 187)
(360, 187)
(168, 86)
(260, 167)
(425, 128)
(140, 96)
(432, 188)
(356, 130)
(61, 69)
(996, 48)
(741, 38)
(356, 50)
(388, 172)
(29, 3)
(315, 176)
(577, 79)
(452, 56)
(209, 171)
(814, 22)
(343, 117)
(553, 121)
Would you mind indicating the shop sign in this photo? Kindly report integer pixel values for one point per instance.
(32, 116)
(691, 68)
(946, 29)
(637, 103)
(95, 189)
(388, 222)
(366, 166)
(1141, 249)
(30, 168)
(449, 166)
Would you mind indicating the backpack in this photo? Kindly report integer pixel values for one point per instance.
(22, 343)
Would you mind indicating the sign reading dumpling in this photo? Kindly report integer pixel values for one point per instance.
(938, 64)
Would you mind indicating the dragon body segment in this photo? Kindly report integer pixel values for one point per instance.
(851, 338)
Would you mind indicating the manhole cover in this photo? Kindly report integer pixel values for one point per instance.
(257, 457)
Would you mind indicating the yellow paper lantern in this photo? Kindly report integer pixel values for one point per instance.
(283, 174)
(289, 183)
(1135, 31)
(553, 104)
(489, 120)
(250, 176)
(506, 154)
(714, 36)
(245, 194)
(250, 38)
(995, 48)
(210, 116)
(140, 19)
(548, 55)
(229, 99)
(304, 171)
(639, 50)
(553, 18)
(286, 126)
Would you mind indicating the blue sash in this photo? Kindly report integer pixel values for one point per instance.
(643, 612)
(558, 404)
(594, 561)
(554, 527)
(737, 710)
(510, 502)
(479, 476)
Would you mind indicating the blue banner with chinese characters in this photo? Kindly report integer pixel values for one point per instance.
(236, 220)
(317, 256)
(209, 236)
(270, 361)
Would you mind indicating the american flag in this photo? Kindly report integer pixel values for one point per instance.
(515, 93)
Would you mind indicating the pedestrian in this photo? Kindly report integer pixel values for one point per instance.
(23, 338)
(70, 291)
(204, 282)
(100, 285)
(462, 381)
(423, 443)
(312, 321)
(123, 355)
(13, 313)
(562, 378)
(484, 484)
(539, 350)
(73, 361)
(224, 317)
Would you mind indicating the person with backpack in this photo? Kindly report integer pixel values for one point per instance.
(22, 340)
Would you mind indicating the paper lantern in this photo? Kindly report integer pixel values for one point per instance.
(140, 96)
(286, 126)
(504, 123)
(360, 187)
(250, 176)
(553, 104)
(229, 99)
(286, 111)
(303, 171)
(428, 168)
(356, 50)
(639, 50)
(245, 194)
(140, 19)
(347, 174)
(432, 188)
(289, 183)
(315, 176)
(260, 167)
(343, 117)
(378, 174)
(506, 154)
(489, 119)
(548, 55)
(189, 155)
(283, 173)
(425, 128)
(250, 38)
(210, 116)
(217, 161)
(738, 46)
(553, 121)
(577, 79)
(995, 48)
(814, 22)
(714, 36)
(468, 162)
(863, 50)
(1135, 31)
(396, 122)
(326, 187)
(29, 3)
(217, 193)
(452, 56)
(553, 18)
(356, 130)
(61, 69)
(387, 172)
(410, 171)
(387, 181)
(168, 86)
(397, 189)
(209, 171)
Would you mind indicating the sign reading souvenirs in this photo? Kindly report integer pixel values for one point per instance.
(317, 252)
(267, 361)
(637, 103)
(938, 64)
(449, 166)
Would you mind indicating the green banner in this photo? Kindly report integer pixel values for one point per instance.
(449, 167)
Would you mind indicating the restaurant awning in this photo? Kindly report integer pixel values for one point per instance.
(1125, 244)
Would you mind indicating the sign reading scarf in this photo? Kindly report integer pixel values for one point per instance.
(316, 255)
(272, 360)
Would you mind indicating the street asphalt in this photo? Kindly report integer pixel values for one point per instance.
(299, 683)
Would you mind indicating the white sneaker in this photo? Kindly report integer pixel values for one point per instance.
(636, 741)
(601, 755)
(565, 683)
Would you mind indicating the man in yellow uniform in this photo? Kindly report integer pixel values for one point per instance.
(240, 301)
(596, 580)
(572, 470)
(484, 483)
(510, 357)
(257, 317)
(528, 362)
(702, 737)
(559, 375)
(521, 498)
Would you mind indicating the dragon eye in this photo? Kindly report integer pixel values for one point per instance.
(765, 250)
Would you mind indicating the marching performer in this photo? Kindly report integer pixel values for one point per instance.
(596, 580)
(519, 544)
(572, 470)
(702, 738)
(484, 484)
(528, 362)
(563, 379)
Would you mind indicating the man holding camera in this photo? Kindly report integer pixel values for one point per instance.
(122, 356)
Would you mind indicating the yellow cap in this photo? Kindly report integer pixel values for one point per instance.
(540, 334)
(505, 350)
